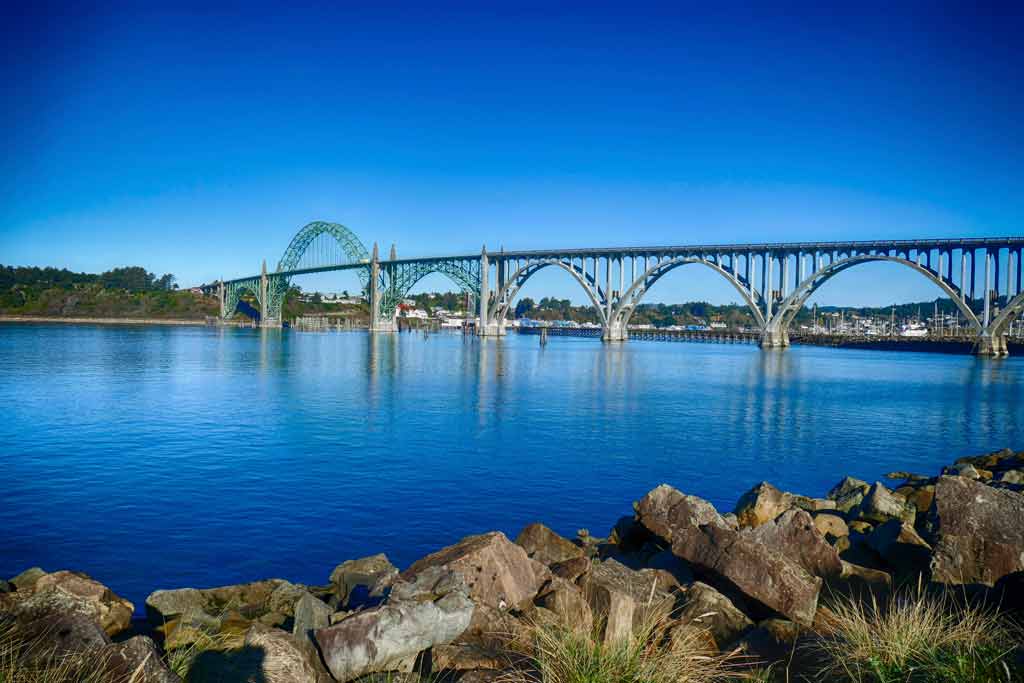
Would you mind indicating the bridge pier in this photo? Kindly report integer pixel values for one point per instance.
(614, 332)
(774, 338)
(992, 345)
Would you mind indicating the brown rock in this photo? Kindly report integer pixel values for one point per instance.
(772, 579)
(773, 640)
(707, 608)
(544, 545)
(64, 629)
(112, 612)
(880, 505)
(466, 657)
(624, 599)
(26, 580)
(828, 525)
(566, 600)
(284, 658)
(571, 570)
(846, 487)
(664, 509)
(794, 535)
(136, 660)
(762, 504)
(979, 531)
(497, 571)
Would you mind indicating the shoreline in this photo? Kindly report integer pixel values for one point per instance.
(99, 321)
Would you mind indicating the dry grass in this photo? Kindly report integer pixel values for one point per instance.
(33, 661)
(917, 636)
(554, 652)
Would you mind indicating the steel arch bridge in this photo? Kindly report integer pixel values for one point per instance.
(982, 276)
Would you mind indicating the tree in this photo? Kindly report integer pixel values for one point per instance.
(524, 307)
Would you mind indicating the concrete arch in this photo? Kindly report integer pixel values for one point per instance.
(791, 305)
(402, 282)
(995, 334)
(632, 297)
(507, 294)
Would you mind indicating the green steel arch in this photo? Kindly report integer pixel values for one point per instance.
(350, 244)
(401, 279)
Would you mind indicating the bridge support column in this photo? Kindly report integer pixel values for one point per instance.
(614, 331)
(774, 338)
(377, 323)
(486, 325)
(992, 345)
(223, 301)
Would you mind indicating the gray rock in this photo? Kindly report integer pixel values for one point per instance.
(1011, 477)
(845, 487)
(252, 600)
(979, 532)
(112, 612)
(566, 600)
(283, 658)
(880, 505)
(310, 614)
(64, 630)
(433, 608)
(665, 509)
(900, 546)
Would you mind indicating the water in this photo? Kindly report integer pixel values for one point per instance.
(154, 457)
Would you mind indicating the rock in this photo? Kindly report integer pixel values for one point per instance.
(544, 545)
(69, 591)
(845, 487)
(136, 660)
(310, 614)
(962, 470)
(831, 525)
(1011, 477)
(624, 599)
(880, 505)
(374, 574)
(497, 571)
(430, 607)
(774, 580)
(466, 657)
(813, 504)
(62, 629)
(27, 579)
(861, 578)
(665, 509)
(921, 497)
(284, 657)
(730, 520)
(900, 546)
(762, 504)
(707, 608)
(979, 531)
(861, 527)
(566, 600)
(794, 535)
(773, 640)
(573, 569)
(283, 598)
(252, 600)
(906, 476)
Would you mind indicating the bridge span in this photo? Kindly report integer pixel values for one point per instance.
(982, 276)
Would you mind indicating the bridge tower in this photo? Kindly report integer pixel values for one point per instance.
(377, 323)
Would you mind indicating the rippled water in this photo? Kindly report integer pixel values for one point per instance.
(156, 457)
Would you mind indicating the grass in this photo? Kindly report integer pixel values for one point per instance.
(917, 636)
(555, 652)
(31, 661)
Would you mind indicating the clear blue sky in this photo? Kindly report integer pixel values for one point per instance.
(197, 141)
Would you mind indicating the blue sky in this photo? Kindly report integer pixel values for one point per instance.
(197, 141)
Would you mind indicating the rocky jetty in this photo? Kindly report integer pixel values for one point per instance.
(755, 580)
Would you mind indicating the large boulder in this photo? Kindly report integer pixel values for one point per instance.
(430, 608)
(708, 609)
(373, 574)
(248, 599)
(112, 612)
(625, 600)
(665, 509)
(762, 504)
(544, 545)
(498, 573)
(794, 535)
(698, 535)
(978, 531)
(772, 579)
(135, 660)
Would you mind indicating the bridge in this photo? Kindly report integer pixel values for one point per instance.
(982, 276)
